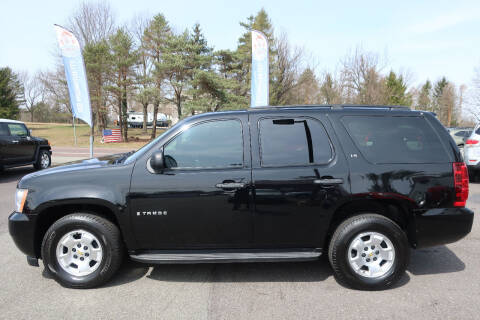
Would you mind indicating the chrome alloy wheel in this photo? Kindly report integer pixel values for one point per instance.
(371, 254)
(44, 161)
(79, 253)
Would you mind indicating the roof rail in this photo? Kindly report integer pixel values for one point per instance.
(361, 106)
(335, 106)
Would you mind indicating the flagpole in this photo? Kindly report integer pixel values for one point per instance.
(74, 132)
(91, 142)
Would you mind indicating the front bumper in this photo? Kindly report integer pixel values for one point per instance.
(22, 230)
(435, 227)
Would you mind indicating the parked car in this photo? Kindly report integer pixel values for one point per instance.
(459, 135)
(360, 184)
(472, 153)
(19, 148)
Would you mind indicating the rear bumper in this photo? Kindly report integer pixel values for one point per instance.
(22, 230)
(441, 226)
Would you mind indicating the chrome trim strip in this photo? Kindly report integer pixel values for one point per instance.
(179, 257)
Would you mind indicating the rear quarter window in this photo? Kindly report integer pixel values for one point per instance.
(391, 139)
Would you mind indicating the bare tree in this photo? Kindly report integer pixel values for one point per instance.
(92, 22)
(361, 78)
(286, 70)
(33, 91)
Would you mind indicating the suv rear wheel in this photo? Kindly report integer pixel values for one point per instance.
(369, 252)
(82, 250)
(43, 160)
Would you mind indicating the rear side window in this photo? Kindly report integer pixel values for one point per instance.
(395, 139)
(4, 130)
(295, 141)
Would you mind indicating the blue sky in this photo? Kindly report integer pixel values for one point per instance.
(425, 38)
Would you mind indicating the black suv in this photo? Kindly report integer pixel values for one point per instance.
(19, 148)
(360, 184)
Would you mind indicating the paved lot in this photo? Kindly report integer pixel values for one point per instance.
(441, 283)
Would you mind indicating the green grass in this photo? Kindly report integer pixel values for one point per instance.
(61, 135)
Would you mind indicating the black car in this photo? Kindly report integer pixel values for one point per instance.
(360, 184)
(19, 148)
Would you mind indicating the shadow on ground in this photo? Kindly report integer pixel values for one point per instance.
(434, 261)
(15, 174)
(423, 262)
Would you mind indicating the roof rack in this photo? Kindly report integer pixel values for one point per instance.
(335, 106)
(361, 106)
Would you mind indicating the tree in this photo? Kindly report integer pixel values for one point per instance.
(123, 59)
(361, 78)
(308, 88)
(154, 42)
(260, 22)
(33, 92)
(92, 22)
(330, 91)
(424, 101)
(285, 72)
(98, 65)
(11, 93)
(143, 78)
(177, 66)
(396, 90)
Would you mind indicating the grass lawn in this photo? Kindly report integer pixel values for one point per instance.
(61, 135)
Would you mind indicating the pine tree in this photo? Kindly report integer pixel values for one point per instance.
(425, 97)
(154, 41)
(11, 92)
(123, 59)
(98, 65)
(397, 90)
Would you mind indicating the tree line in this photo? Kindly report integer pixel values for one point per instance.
(149, 63)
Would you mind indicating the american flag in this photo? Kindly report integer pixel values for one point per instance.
(112, 135)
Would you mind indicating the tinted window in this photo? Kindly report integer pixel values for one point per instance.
(4, 130)
(17, 129)
(395, 139)
(214, 144)
(297, 141)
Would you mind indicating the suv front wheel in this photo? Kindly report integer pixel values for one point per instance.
(43, 160)
(82, 250)
(369, 252)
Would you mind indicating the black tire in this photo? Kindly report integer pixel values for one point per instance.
(38, 164)
(346, 233)
(110, 240)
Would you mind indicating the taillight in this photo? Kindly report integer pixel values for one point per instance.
(471, 141)
(460, 179)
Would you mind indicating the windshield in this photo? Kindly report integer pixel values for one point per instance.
(147, 147)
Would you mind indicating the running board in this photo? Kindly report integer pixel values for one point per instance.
(217, 256)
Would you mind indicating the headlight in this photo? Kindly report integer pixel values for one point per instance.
(20, 197)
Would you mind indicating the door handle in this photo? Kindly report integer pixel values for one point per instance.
(329, 181)
(230, 185)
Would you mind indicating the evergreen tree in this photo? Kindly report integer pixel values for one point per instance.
(11, 93)
(98, 65)
(260, 22)
(397, 90)
(123, 59)
(425, 97)
(154, 42)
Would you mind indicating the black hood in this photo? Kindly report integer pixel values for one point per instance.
(75, 166)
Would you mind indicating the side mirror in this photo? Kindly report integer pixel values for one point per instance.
(157, 162)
